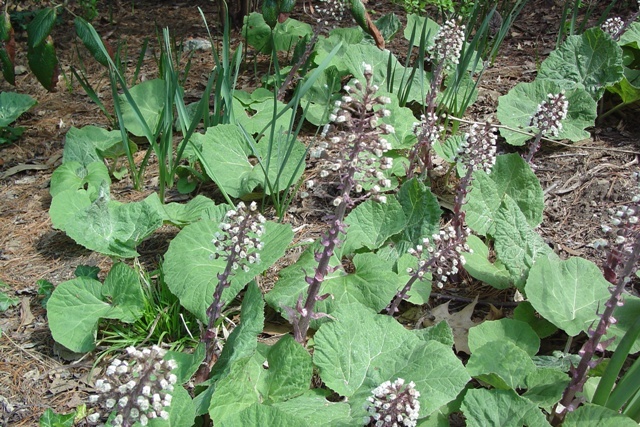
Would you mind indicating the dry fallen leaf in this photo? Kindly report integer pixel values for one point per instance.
(459, 322)
(26, 317)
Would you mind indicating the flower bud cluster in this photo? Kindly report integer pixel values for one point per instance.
(239, 237)
(613, 26)
(356, 148)
(478, 149)
(393, 404)
(137, 388)
(624, 224)
(428, 131)
(330, 10)
(448, 43)
(441, 255)
(550, 113)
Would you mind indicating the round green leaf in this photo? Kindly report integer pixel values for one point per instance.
(516, 108)
(567, 293)
(12, 105)
(191, 273)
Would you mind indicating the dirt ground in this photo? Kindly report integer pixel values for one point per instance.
(581, 180)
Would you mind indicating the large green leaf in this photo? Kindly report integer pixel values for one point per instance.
(84, 33)
(592, 61)
(85, 144)
(515, 331)
(372, 223)
(191, 273)
(315, 410)
(12, 106)
(356, 55)
(512, 178)
(504, 408)
(258, 114)
(422, 212)
(149, 96)
(73, 175)
(67, 204)
(589, 415)
(181, 411)
(629, 87)
(285, 35)
(122, 287)
(240, 389)
(360, 350)
(518, 246)
(373, 283)
(43, 62)
(567, 293)
(40, 27)
(516, 108)
(545, 387)
(263, 415)
(416, 23)
(225, 154)
(76, 306)
(478, 265)
(290, 370)
(501, 363)
(107, 226)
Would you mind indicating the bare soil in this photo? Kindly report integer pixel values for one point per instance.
(581, 181)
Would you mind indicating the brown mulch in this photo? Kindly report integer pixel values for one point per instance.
(581, 182)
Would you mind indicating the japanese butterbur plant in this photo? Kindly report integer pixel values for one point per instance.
(445, 54)
(239, 243)
(135, 389)
(356, 155)
(441, 255)
(393, 404)
(621, 263)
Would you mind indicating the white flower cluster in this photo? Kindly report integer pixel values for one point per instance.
(137, 389)
(357, 149)
(393, 404)
(441, 256)
(428, 130)
(624, 220)
(478, 149)
(240, 236)
(330, 10)
(550, 113)
(448, 43)
(613, 26)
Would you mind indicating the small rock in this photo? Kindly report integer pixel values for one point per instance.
(197, 44)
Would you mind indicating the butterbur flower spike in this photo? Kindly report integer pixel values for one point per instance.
(448, 43)
(239, 243)
(613, 26)
(355, 154)
(549, 114)
(393, 404)
(548, 119)
(137, 387)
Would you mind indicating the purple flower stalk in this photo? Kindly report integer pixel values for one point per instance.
(393, 405)
(445, 52)
(441, 255)
(621, 263)
(355, 153)
(239, 243)
(138, 388)
(548, 119)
